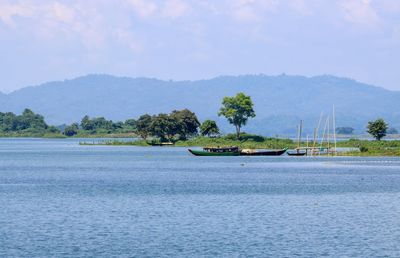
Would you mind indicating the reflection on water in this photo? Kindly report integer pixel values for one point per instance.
(61, 199)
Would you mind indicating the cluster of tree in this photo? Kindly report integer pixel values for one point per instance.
(27, 122)
(184, 123)
(179, 124)
(99, 125)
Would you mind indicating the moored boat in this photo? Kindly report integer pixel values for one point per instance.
(297, 153)
(247, 152)
(160, 143)
(216, 151)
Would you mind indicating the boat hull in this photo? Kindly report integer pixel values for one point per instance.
(206, 153)
(264, 153)
(297, 153)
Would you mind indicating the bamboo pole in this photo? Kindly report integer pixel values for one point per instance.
(334, 129)
(324, 133)
(317, 130)
(328, 138)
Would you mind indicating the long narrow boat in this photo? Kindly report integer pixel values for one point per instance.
(216, 151)
(263, 153)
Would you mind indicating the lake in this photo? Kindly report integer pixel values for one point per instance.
(60, 199)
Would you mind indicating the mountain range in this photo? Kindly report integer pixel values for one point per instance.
(279, 101)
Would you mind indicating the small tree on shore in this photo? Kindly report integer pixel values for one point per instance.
(209, 128)
(237, 110)
(377, 128)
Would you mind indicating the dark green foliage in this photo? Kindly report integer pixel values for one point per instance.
(237, 110)
(363, 149)
(245, 137)
(97, 125)
(143, 126)
(71, 130)
(164, 126)
(377, 128)
(187, 123)
(130, 125)
(209, 128)
(117, 126)
(26, 123)
(345, 130)
(53, 129)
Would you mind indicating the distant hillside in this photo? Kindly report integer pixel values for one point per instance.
(280, 101)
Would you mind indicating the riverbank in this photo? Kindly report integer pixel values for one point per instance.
(246, 142)
(364, 147)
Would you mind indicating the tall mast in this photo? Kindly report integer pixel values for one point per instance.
(328, 138)
(299, 138)
(307, 146)
(324, 132)
(334, 128)
(317, 130)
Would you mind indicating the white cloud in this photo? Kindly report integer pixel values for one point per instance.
(251, 10)
(9, 11)
(392, 6)
(175, 8)
(360, 12)
(144, 8)
(300, 6)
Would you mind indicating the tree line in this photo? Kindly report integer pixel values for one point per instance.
(28, 122)
(177, 125)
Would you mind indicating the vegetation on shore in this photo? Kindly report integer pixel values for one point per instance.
(246, 141)
(182, 128)
(28, 124)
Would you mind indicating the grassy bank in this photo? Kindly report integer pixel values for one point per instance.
(371, 148)
(366, 147)
(246, 142)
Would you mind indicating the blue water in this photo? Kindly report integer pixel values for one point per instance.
(60, 199)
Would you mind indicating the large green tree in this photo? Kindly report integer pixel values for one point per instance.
(377, 128)
(164, 126)
(237, 110)
(209, 128)
(187, 123)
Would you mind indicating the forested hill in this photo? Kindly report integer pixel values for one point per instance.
(280, 101)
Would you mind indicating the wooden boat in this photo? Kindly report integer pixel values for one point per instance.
(216, 151)
(262, 153)
(296, 153)
(160, 143)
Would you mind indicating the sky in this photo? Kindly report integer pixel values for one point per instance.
(46, 40)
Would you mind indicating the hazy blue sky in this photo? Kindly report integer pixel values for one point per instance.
(46, 40)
